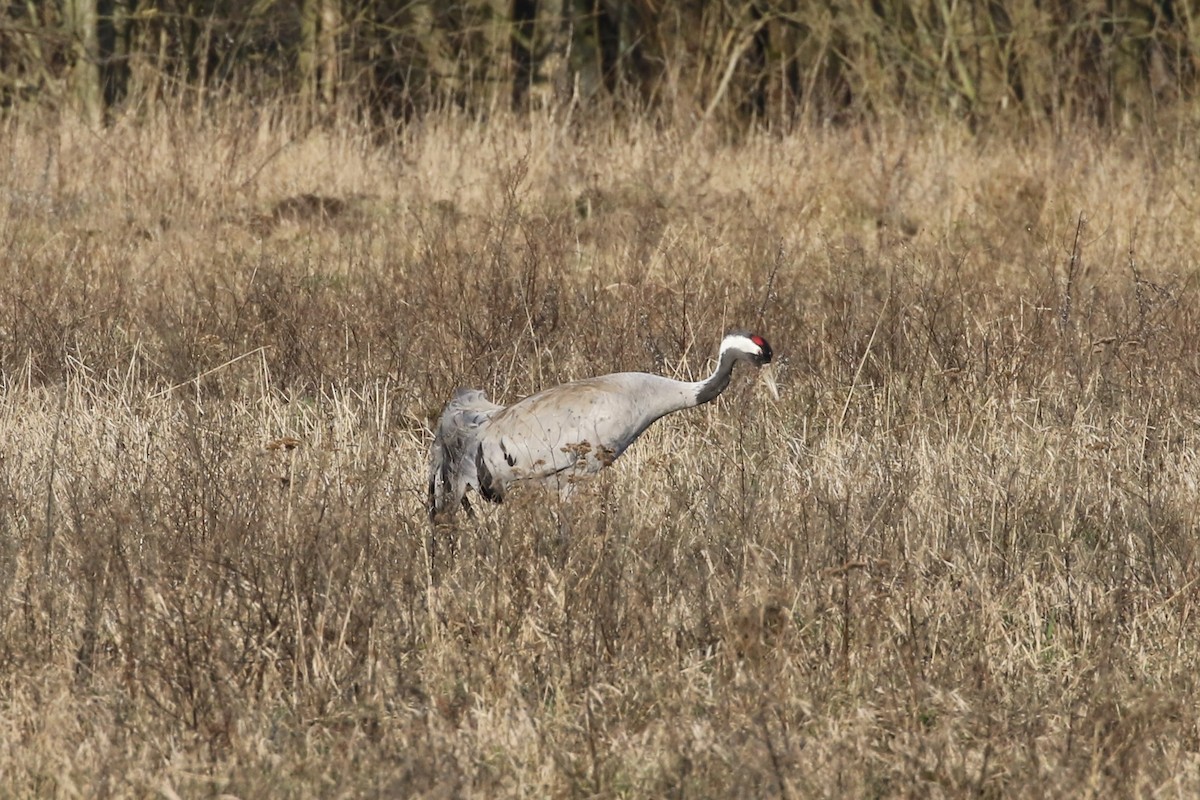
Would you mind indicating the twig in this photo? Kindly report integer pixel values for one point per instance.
(762, 309)
(734, 58)
(48, 539)
(258, 170)
(776, 765)
(206, 373)
(863, 361)
(1072, 265)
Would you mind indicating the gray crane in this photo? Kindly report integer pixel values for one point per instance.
(565, 433)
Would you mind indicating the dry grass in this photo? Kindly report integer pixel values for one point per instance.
(959, 556)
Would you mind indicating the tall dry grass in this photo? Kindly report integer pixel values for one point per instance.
(958, 557)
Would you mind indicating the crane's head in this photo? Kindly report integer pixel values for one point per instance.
(751, 347)
(746, 346)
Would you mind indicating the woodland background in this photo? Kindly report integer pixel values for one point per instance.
(771, 61)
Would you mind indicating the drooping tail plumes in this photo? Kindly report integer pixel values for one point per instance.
(452, 454)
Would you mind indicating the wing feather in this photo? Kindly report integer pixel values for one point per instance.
(575, 428)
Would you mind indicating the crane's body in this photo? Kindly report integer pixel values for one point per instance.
(562, 434)
(575, 429)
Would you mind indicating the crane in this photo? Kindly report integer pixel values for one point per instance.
(567, 432)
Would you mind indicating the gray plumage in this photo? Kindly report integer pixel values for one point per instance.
(451, 457)
(565, 433)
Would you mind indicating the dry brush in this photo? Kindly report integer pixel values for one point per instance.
(958, 557)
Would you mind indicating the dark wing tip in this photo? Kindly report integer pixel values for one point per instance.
(488, 489)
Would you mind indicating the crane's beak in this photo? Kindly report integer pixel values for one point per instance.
(766, 374)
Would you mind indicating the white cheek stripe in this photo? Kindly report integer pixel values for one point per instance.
(739, 342)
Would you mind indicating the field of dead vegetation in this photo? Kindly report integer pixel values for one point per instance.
(959, 556)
